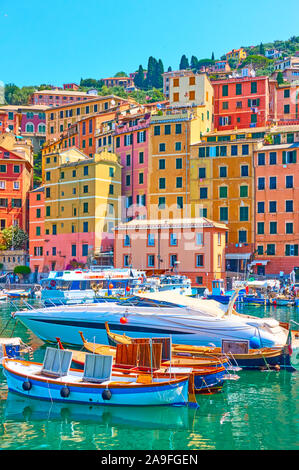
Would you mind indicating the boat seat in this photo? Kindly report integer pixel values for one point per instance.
(56, 362)
(97, 368)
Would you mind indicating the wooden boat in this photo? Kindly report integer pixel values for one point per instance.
(96, 384)
(209, 373)
(237, 352)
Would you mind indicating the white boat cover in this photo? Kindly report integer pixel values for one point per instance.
(209, 307)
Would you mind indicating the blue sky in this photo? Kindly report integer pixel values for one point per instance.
(63, 40)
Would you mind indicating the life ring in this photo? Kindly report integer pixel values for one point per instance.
(52, 283)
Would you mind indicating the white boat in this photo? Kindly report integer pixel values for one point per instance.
(187, 320)
(88, 285)
(173, 282)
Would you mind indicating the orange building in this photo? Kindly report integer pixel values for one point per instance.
(191, 247)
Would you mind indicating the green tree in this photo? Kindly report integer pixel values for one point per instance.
(121, 74)
(16, 95)
(159, 77)
(184, 63)
(23, 270)
(13, 238)
(262, 49)
(194, 62)
(213, 56)
(279, 78)
(139, 78)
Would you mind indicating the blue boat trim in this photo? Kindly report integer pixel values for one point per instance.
(101, 326)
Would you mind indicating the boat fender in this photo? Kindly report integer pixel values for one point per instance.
(255, 342)
(106, 395)
(123, 320)
(274, 302)
(64, 392)
(53, 283)
(26, 385)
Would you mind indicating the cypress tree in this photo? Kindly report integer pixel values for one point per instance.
(194, 62)
(139, 78)
(184, 63)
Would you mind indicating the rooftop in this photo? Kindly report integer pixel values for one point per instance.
(199, 222)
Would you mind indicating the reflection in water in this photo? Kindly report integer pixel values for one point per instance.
(259, 411)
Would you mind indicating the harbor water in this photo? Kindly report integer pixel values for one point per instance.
(260, 411)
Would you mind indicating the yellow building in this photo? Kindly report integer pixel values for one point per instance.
(81, 206)
(59, 119)
(172, 131)
(171, 134)
(194, 90)
(236, 54)
(222, 188)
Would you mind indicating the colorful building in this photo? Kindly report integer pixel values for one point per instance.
(81, 206)
(36, 230)
(167, 76)
(241, 102)
(71, 86)
(222, 188)
(56, 97)
(28, 122)
(191, 247)
(285, 103)
(236, 54)
(125, 82)
(277, 206)
(172, 131)
(131, 143)
(16, 173)
(59, 119)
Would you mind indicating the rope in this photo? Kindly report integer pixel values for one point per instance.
(3, 329)
(14, 328)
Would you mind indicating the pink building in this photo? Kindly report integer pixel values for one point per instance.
(36, 230)
(27, 121)
(131, 144)
(191, 247)
(285, 99)
(56, 97)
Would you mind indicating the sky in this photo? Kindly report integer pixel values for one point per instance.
(62, 41)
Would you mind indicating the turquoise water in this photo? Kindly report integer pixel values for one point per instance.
(258, 411)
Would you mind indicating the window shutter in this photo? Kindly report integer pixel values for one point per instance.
(284, 157)
(294, 156)
(287, 250)
(295, 250)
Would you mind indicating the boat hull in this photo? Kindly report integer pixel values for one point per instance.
(66, 323)
(163, 394)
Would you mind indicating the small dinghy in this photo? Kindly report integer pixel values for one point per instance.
(54, 380)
